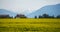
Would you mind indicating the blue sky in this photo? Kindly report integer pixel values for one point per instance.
(25, 6)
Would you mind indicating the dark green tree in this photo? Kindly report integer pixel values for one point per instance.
(5, 16)
(45, 16)
(58, 16)
(20, 16)
(40, 16)
(35, 16)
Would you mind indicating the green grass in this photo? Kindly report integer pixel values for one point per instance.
(30, 25)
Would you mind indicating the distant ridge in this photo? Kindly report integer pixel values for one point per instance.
(49, 9)
(4, 11)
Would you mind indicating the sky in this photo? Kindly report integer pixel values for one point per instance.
(25, 6)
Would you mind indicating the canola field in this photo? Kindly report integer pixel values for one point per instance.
(30, 25)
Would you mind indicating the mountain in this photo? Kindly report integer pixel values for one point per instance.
(4, 11)
(49, 9)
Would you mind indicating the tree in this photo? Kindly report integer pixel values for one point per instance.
(45, 15)
(20, 16)
(5, 16)
(52, 16)
(40, 17)
(58, 16)
(35, 16)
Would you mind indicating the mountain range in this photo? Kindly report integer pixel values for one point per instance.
(49, 9)
(4, 11)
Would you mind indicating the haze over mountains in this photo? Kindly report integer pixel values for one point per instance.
(4, 11)
(49, 9)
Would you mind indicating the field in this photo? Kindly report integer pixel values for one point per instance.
(30, 25)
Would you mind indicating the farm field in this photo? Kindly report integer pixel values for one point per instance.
(30, 25)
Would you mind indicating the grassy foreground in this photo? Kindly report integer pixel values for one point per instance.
(29, 25)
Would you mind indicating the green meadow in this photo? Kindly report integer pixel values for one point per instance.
(30, 25)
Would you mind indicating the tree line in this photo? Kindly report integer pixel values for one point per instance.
(17, 16)
(47, 16)
(23, 16)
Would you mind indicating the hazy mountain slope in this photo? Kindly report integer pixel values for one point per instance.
(4, 11)
(50, 9)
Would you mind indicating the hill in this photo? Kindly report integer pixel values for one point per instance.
(49, 9)
(4, 11)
